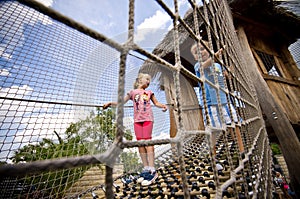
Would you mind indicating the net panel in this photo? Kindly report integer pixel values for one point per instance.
(55, 76)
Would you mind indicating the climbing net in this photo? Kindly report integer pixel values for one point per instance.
(56, 74)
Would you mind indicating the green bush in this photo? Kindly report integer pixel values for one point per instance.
(275, 149)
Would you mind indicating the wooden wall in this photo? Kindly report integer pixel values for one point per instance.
(192, 118)
(286, 88)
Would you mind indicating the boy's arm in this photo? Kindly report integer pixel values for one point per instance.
(209, 61)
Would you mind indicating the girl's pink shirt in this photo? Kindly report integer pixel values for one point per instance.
(141, 105)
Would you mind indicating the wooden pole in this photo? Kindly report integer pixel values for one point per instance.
(283, 129)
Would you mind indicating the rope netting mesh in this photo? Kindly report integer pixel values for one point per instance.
(55, 76)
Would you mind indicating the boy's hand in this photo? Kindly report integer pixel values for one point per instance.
(219, 53)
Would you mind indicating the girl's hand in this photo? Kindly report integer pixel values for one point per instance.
(105, 106)
(165, 108)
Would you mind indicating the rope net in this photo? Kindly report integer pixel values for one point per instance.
(57, 141)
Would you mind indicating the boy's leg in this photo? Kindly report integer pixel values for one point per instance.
(237, 131)
(215, 120)
(213, 142)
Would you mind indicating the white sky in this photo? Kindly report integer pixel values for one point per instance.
(110, 17)
(28, 122)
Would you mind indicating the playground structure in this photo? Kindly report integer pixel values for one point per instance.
(57, 74)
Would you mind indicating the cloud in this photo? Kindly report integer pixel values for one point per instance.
(158, 20)
(157, 25)
(47, 3)
(3, 54)
(43, 18)
(182, 3)
(4, 72)
(151, 25)
(16, 91)
(12, 31)
(28, 126)
(10, 116)
(23, 122)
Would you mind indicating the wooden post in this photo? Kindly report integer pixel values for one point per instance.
(169, 88)
(283, 129)
(173, 127)
(238, 138)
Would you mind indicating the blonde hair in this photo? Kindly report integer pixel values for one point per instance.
(193, 48)
(195, 45)
(137, 80)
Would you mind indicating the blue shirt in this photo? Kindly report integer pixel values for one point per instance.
(211, 92)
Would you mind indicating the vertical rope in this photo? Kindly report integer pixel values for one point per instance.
(221, 20)
(206, 9)
(109, 193)
(218, 23)
(131, 22)
(202, 78)
(121, 93)
(181, 133)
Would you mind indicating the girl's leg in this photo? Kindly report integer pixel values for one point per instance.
(147, 133)
(138, 129)
(150, 155)
(143, 154)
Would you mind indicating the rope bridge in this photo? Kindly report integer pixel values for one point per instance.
(55, 76)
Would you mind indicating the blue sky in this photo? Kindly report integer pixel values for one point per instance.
(110, 17)
(81, 71)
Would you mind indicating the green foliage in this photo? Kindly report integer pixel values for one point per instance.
(275, 149)
(94, 134)
(130, 161)
(54, 182)
(2, 163)
(98, 131)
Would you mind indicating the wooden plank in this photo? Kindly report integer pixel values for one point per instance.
(280, 79)
(288, 97)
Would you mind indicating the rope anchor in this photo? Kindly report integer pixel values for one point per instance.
(274, 116)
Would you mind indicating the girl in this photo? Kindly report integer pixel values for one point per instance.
(143, 123)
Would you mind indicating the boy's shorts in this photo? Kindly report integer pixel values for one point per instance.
(215, 116)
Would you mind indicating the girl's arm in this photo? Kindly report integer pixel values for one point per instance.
(158, 104)
(105, 106)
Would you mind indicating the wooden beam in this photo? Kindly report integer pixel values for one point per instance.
(261, 27)
(280, 79)
(283, 129)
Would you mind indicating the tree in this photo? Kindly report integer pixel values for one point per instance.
(97, 131)
(91, 135)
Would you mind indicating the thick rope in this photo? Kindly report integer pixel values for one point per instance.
(256, 142)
